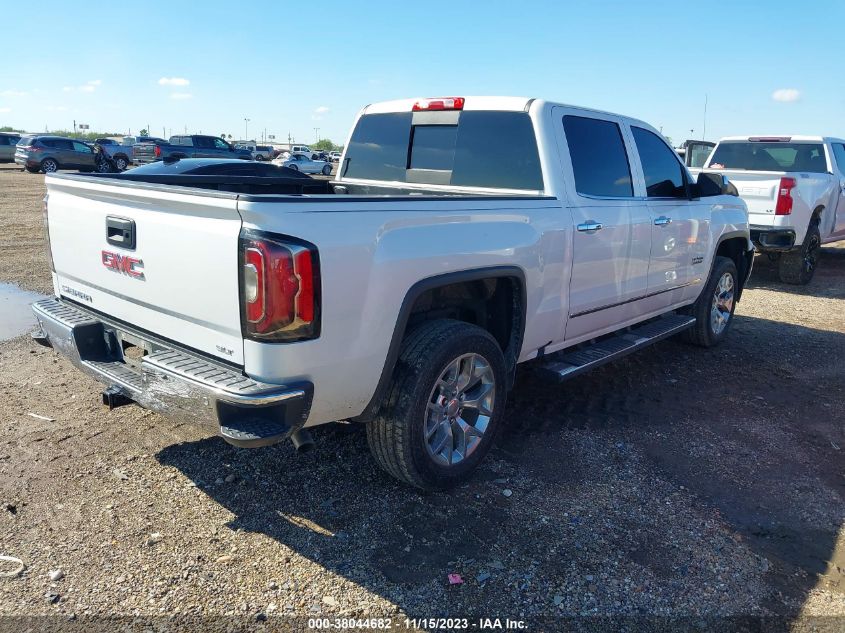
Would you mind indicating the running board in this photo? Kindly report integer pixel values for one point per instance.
(569, 363)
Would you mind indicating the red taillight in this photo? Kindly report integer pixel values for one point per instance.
(157, 151)
(784, 203)
(279, 288)
(440, 103)
(34, 148)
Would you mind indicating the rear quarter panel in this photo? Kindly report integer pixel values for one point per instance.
(372, 253)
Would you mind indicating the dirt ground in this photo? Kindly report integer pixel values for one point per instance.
(675, 486)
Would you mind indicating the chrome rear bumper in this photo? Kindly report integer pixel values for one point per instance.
(172, 380)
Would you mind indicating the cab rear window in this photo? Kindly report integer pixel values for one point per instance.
(488, 149)
(769, 156)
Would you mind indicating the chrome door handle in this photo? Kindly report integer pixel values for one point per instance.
(662, 221)
(589, 226)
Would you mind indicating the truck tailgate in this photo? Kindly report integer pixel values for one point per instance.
(760, 192)
(180, 281)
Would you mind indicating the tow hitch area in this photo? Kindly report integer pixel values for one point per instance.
(114, 398)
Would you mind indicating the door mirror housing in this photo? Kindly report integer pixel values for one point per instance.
(713, 184)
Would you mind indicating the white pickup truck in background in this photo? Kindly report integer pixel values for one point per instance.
(403, 294)
(794, 187)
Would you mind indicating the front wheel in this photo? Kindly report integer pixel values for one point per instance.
(293, 167)
(444, 405)
(798, 266)
(327, 170)
(121, 163)
(714, 308)
(259, 157)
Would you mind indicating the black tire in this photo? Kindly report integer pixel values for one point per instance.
(293, 167)
(798, 267)
(121, 163)
(259, 157)
(49, 165)
(706, 332)
(33, 170)
(397, 435)
(327, 170)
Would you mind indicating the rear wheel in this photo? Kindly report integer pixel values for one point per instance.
(714, 308)
(49, 165)
(327, 170)
(259, 157)
(798, 266)
(444, 405)
(293, 167)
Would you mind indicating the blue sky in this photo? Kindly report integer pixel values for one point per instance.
(290, 67)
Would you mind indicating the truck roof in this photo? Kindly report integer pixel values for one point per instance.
(796, 138)
(514, 104)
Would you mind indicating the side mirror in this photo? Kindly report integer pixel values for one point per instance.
(713, 184)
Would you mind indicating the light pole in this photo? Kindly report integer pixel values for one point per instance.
(246, 129)
(317, 134)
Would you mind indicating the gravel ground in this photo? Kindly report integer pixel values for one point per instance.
(676, 483)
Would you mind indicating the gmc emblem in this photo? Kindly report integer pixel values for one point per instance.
(124, 264)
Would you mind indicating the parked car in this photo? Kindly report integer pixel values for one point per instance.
(120, 153)
(259, 152)
(795, 190)
(188, 146)
(134, 140)
(8, 140)
(334, 157)
(302, 149)
(50, 153)
(405, 295)
(695, 153)
(302, 163)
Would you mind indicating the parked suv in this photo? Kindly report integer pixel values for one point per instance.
(8, 140)
(51, 153)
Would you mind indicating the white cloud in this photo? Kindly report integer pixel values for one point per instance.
(52, 108)
(173, 81)
(181, 96)
(786, 95)
(90, 86)
(13, 93)
(319, 112)
(5, 110)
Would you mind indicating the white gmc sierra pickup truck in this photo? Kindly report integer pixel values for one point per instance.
(794, 187)
(402, 294)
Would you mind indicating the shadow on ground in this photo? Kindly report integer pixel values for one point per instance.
(680, 470)
(827, 282)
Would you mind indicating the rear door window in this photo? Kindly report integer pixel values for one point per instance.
(81, 147)
(839, 155)
(476, 148)
(664, 176)
(599, 160)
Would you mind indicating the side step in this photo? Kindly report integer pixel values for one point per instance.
(569, 363)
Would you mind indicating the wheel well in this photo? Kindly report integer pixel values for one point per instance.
(817, 215)
(492, 299)
(735, 248)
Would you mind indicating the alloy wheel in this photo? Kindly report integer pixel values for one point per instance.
(459, 409)
(723, 301)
